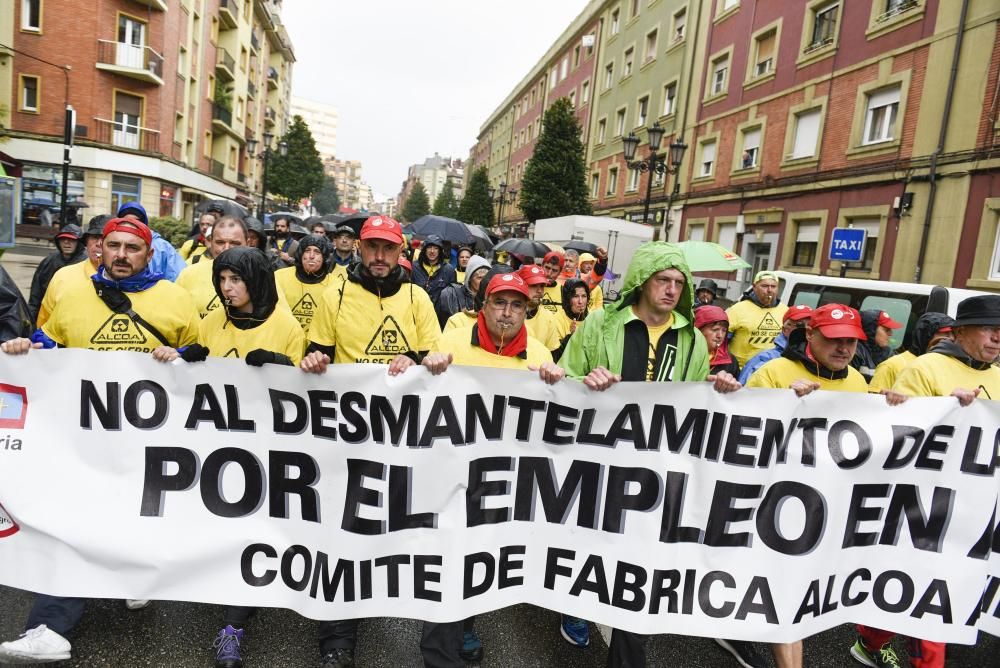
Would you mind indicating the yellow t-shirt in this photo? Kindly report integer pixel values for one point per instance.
(280, 333)
(937, 375)
(552, 299)
(545, 328)
(302, 298)
(781, 372)
(189, 255)
(888, 371)
(339, 271)
(81, 320)
(365, 328)
(460, 276)
(61, 280)
(654, 339)
(564, 324)
(458, 342)
(596, 298)
(459, 320)
(754, 328)
(197, 280)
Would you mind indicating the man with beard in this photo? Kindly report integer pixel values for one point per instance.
(69, 250)
(377, 316)
(304, 284)
(79, 272)
(459, 299)
(540, 322)
(755, 321)
(431, 271)
(283, 242)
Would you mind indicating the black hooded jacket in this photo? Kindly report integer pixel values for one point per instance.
(325, 249)
(47, 268)
(869, 354)
(927, 326)
(796, 351)
(252, 266)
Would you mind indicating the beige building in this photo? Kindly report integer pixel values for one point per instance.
(322, 120)
(166, 94)
(347, 175)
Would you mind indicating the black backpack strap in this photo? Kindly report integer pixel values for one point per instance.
(118, 302)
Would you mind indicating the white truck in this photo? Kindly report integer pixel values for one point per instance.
(620, 237)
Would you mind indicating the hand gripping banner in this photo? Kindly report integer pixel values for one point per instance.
(650, 507)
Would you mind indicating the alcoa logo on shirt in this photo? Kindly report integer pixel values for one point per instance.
(117, 330)
(305, 309)
(388, 340)
(8, 527)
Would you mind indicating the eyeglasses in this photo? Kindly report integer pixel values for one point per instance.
(502, 304)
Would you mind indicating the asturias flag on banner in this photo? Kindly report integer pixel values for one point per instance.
(13, 406)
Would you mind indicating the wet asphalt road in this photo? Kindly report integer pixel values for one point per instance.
(171, 634)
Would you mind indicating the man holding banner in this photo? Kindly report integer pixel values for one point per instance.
(124, 307)
(649, 335)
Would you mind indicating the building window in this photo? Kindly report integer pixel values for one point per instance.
(553, 78)
(564, 68)
(232, 157)
(894, 7)
(585, 92)
(642, 112)
(677, 30)
(31, 15)
(880, 116)
(612, 181)
(609, 75)
(616, 24)
(995, 260)
(128, 114)
(633, 180)
(651, 39)
(620, 122)
(206, 147)
(576, 57)
(602, 127)
(871, 226)
(824, 26)
(627, 66)
(707, 158)
(30, 87)
(764, 60)
(168, 196)
(595, 185)
(669, 98)
(729, 4)
(720, 72)
(806, 243)
(572, 99)
(124, 189)
(806, 133)
(634, 11)
(751, 149)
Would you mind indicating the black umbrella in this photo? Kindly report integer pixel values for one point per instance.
(292, 218)
(354, 221)
(526, 247)
(448, 229)
(228, 208)
(581, 246)
(481, 238)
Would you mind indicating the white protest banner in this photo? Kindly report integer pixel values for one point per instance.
(650, 507)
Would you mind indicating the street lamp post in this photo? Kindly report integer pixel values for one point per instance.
(265, 155)
(504, 196)
(653, 164)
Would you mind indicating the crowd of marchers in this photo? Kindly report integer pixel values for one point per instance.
(322, 296)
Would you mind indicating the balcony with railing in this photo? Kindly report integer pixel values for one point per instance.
(222, 121)
(225, 65)
(270, 116)
(138, 62)
(254, 41)
(229, 14)
(125, 135)
(895, 8)
(272, 78)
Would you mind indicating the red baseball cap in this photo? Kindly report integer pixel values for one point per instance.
(382, 227)
(797, 313)
(886, 321)
(130, 226)
(836, 321)
(532, 274)
(505, 283)
(405, 263)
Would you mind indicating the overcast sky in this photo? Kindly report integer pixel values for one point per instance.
(411, 77)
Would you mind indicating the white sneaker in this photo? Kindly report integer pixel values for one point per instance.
(136, 603)
(37, 645)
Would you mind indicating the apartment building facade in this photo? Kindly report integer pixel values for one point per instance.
(801, 118)
(322, 120)
(165, 93)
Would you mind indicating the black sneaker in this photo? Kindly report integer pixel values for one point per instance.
(337, 658)
(745, 653)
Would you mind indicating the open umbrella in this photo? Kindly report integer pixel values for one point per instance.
(292, 218)
(354, 221)
(448, 229)
(709, 256)
(481, 238)
(527, 247)
(581, 246)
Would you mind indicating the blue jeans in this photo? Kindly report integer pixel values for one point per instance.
(59, 613)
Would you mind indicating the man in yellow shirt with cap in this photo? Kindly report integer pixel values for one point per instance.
(755, 321)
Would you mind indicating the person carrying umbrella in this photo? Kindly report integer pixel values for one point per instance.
(431, 272)
(458, 300)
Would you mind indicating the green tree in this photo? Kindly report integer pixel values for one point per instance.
(417, 204)
(327, 199)
(555, 178)
(299, 174)
(477, 206)
(445, 203)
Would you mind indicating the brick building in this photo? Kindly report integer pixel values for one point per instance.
(166, 94)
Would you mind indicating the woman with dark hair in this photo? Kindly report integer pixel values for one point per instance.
(575, 299)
